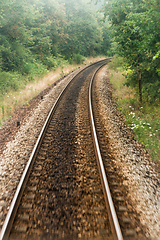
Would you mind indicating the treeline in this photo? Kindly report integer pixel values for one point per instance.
(136, 32)
(37, 35)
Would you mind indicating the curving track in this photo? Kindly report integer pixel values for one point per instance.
(60, 194)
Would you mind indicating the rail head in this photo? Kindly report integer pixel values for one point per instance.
(109, 202)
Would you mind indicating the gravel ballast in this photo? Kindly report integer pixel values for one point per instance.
(17, 151)
(131, 158)
(132, 161)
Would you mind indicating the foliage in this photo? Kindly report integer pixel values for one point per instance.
(136, 27)
(77, 58)
(116, 63)
(40, 30)
(146, 125)
(9, 81)
(36, 35)
(82, 33)
(144, 121)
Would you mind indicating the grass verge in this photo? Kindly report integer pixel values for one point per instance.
(144, 120)
(22, 90)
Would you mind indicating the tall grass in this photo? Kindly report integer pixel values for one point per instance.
(144, 120)
(29, 86)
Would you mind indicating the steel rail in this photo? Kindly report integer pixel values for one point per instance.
(109, 202)
(21, 186)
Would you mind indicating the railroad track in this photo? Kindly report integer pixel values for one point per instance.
(64, 192)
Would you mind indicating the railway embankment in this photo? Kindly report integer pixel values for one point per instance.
(131, 160)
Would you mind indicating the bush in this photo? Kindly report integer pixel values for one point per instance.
(9, 81)
(50, 62)
(116, 63)
(78, 58)
(27, 68)
(151, 92)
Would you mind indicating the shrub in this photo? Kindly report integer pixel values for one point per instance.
(50, 62)
(8, 81)
(78, 58)
(151, 92)
(27, 68)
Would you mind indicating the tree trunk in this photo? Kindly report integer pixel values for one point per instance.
(140, 87)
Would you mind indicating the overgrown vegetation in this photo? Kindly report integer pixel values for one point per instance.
(144, 120)
(37, 35)
(14, 98)
(135, 26)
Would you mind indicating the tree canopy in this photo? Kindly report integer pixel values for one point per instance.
(34, 32)
(135, 26)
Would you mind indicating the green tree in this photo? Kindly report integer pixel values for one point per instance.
(83, 34)
(37, 33)
(136, 27)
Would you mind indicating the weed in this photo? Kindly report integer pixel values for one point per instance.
(62, 73)
(146, 125)
(16, 89)
(143, 120)
(78, 58)
(9, 111)
(2, 112)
